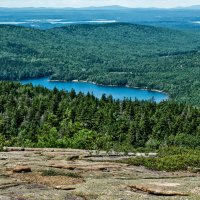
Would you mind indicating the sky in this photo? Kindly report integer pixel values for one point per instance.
(86, 3)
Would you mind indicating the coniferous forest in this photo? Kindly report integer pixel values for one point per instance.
(119, 54)
(37, 117)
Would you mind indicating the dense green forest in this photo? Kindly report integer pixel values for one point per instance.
(119, 53)
(38, 117)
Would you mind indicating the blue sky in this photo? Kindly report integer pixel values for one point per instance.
(85, 3)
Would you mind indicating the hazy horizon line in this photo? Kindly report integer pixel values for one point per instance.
(85, 7)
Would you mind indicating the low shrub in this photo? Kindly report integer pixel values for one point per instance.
(51, 172)
(171, 160)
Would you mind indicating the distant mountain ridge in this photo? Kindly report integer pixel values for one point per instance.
(112, 7)
(116, 7)
(195, 7)
(176, 18)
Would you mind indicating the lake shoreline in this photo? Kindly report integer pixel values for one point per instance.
(98, 84)
(116, 91)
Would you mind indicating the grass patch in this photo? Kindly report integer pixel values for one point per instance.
(51, 172)
(73, 175)
(169, 160)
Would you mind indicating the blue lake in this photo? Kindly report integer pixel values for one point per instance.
(98, 91)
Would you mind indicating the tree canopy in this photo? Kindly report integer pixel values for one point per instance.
(119, 53)
(38, 117)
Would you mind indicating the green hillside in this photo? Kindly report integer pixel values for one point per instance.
(121, 54)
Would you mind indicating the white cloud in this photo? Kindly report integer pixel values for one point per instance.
(85, 3)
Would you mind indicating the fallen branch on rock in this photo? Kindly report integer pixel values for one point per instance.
(9, 185)
(157, 192)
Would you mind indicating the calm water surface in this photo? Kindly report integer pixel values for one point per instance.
(98, 91)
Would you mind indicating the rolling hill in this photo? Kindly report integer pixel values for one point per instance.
(119, 53)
